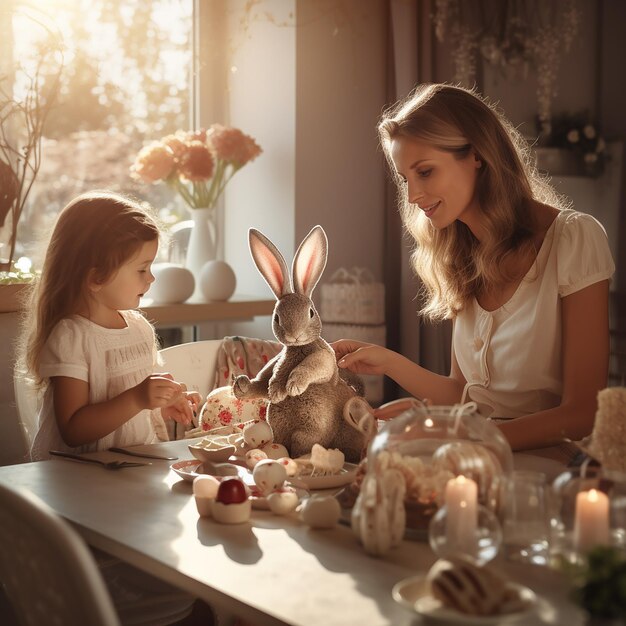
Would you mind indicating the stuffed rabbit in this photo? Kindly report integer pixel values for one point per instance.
(309, 401)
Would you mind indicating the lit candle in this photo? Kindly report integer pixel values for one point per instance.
(591, 524)
(462, 514)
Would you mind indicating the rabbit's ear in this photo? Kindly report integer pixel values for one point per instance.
(310, 261)
(270, 262)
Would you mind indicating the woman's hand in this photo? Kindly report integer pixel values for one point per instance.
(362, 358)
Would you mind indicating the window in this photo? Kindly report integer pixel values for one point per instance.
(125, 79)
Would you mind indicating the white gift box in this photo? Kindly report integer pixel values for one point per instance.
(353, 296)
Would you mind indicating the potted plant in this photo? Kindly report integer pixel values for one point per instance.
(27, 95)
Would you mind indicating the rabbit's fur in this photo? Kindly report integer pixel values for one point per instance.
(307, 394)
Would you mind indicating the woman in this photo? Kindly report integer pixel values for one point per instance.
(524, 279)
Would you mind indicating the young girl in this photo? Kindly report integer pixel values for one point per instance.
(85, 342)
(524, 279)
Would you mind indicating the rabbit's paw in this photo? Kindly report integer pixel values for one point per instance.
(296, 385)
(276, 392)
(241, 386)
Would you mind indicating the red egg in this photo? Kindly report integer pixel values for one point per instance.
(231, 491)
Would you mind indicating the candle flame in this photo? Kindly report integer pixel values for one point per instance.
(593, 495)
(428, 423)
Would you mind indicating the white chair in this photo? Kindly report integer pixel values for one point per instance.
(27, 401)
(192, 363)
(46, 569)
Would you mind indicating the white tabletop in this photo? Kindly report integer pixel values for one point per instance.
(272, 570)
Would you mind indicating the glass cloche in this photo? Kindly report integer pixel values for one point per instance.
(429, 446)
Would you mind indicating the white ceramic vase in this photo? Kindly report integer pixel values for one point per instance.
(217, 281)
(202, 246)
(172, 283)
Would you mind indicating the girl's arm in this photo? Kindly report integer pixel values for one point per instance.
(366, 358)
(82, 423)
(585, 349)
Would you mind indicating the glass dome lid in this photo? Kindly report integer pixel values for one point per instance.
(430, 445)
(422, 430)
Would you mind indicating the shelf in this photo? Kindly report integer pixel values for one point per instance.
(192, 313)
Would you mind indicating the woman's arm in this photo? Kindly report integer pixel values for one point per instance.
(366, 358)
(585, 350)
(81, 423)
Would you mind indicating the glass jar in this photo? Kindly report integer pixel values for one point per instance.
(430, 445)
(589, 509)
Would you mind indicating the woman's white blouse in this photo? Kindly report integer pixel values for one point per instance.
(111, 360)
(511, 357)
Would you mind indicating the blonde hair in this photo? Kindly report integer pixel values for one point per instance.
(452, 264)
(94, 235)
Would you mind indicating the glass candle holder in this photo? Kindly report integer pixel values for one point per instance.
(589, 510)
(479, 540)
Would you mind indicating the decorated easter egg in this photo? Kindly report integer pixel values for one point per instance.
(232, 505)
(258, 434)
(320, 511)
(205, 486)
(290, 465)
(254, 456)
(282, 502)
(275, 450)
(269, 475)
(231, 491)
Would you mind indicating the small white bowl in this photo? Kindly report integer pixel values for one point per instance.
(205, 454)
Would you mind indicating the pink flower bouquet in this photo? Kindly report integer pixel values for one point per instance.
(197, 164)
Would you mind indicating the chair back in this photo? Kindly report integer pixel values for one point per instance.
(48, 573)
(192, 363)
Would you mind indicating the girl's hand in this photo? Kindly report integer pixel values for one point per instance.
(360, 357)
(183, 408)
(157, 391)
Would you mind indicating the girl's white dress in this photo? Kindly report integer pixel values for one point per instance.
(511, 357)
(111, 361)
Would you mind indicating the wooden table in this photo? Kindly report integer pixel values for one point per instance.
(273, 570)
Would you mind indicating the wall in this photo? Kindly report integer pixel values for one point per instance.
(309, 85)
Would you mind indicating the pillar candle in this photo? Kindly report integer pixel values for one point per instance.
(591, 523)
(462, 514)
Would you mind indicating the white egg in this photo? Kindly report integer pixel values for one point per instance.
(254, 456)
(282, 502)
(275, 450)
(269, 475)
(258, 434)
(205, 486)
(320, 511)
(290, 465)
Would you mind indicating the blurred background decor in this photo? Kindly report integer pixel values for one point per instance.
(577, 146)
(28, 93)
(197, 165)
(512, 35)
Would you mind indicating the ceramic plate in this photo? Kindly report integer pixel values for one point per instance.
(191, 468)
(413, 594)
(344, 477)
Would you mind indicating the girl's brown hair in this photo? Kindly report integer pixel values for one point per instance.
(452, 264)
(93, 236)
